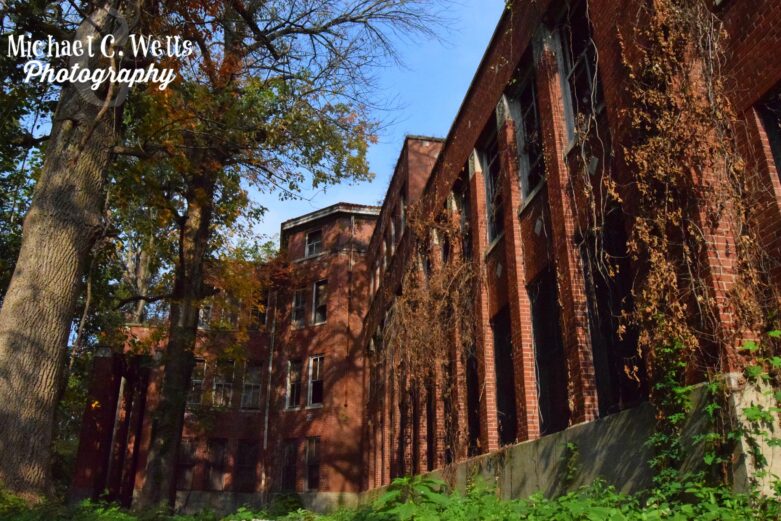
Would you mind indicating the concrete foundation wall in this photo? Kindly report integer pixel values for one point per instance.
(613, 449)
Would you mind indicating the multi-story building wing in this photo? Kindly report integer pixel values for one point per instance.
(316, 408)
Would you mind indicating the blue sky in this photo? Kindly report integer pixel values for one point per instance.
(427, 90)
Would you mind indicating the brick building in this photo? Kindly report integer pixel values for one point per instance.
(547, 353)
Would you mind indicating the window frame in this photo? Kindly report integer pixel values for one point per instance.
(315, 285)
(297, 321)
(290, 385)
(200, 382)
(255, 388)
(494, 196)
(524, 114)
(314, 245)
(217, 373)
(318, 359)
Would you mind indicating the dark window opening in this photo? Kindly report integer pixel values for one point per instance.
(528, 134)
(770, 113)
(619, 368)
(473, 403)
(313, 463)
(492, 170)
(294, 374)
(246, 466)
(185, 463)
(461, 193)
(289, 457)
(580, 62)
(314, 243)
(431, 427)
(316, 380)
(215, 473)
(320, 302)
(549, 354)
(195, 394)
(297, 316)
(505, 377)
(415, 394)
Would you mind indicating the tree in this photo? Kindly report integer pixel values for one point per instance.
(63, 220)
(279, 98)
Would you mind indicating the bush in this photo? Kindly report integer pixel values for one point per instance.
(424, 499)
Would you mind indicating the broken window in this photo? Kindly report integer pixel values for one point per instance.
(770, 114)
(528, 136)
(222, 384)
(250, 393)
(490, 164)
(289, 457)
(550, 362)
(314, 243)
(315, 380)
(313, 463)
(619, 368)
(579, 66)
(215, 471)
(320, 302)
(293, 384)
(195, 394)
(185, 463)
(505, 376)
(297, 316)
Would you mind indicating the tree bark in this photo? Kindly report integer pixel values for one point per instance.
(35, 320)
(159, 488)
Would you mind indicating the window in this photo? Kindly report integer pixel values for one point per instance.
(549, 356)
(258, 313)
(402, 212)
(315, 380)
(313, 463)
(293, 384)
(314, 243)
(215, 474)
(392, 238)
(297, 319)
(289, 457)
(246, 466)
(320, 302)
(222, 385)
(250, 393)
(529, 139)
(195, 394)
(505, 377)
(185, 462)
(579, 66)
(770, 113)
(489, 161)
(205, 315)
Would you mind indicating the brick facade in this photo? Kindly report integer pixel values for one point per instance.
(537, 281)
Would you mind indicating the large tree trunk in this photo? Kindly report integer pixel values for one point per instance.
(59, 230)
(159, 486)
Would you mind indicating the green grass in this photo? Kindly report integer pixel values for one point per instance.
(423, 499)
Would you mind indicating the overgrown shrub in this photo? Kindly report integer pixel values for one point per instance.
(424, 499)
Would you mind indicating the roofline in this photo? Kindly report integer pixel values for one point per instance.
(349, 208)
(495, 37)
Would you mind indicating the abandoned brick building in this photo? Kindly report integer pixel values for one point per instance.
(314, 409)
